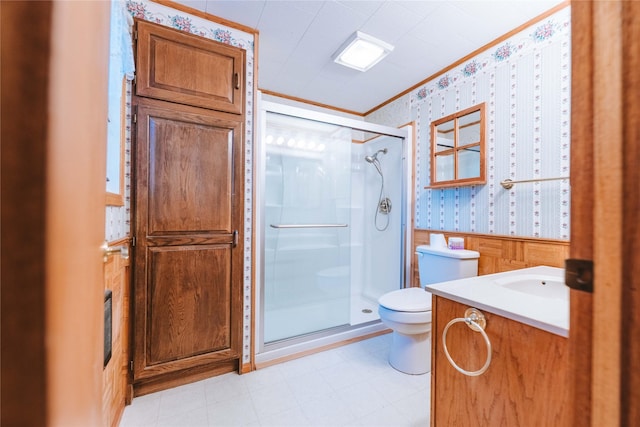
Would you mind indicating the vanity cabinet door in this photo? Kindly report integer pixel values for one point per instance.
(526, 384)
(187, 69)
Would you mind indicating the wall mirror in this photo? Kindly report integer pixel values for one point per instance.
(457, 149)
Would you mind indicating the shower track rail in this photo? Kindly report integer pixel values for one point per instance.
(308, 225)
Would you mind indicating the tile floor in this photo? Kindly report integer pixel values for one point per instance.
(351, 385)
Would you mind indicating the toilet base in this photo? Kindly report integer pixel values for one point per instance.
(411, 354)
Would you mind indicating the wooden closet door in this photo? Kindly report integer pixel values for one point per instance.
(188, 257)
(187, 69)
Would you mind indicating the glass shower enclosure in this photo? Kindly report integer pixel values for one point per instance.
(323, 260)
(307, 236)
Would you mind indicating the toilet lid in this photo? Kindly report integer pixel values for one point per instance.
(409, 299)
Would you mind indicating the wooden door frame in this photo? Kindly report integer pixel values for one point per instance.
(23, 397)
(604, 212)
(54, 113)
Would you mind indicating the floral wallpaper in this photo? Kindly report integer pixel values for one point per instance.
(180, 21)
(519, 45)
(525, 85)
(118, 218)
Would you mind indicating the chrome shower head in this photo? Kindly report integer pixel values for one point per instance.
(374, 157)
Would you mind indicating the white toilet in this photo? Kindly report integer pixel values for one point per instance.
(408, 311)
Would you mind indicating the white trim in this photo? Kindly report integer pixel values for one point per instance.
(317, 116)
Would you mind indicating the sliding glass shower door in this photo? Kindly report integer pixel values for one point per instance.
(307, 227)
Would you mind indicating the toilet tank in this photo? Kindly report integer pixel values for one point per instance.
(440, 264)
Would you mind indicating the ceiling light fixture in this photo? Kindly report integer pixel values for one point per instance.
(361, 51)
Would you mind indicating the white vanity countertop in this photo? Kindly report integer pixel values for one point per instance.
(534, 296)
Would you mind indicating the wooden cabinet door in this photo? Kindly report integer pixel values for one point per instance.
(188, 257)
(526, 384)
(187, 69)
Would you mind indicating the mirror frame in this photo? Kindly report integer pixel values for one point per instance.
(457, 182)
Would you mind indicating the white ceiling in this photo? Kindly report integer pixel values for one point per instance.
(298, 38)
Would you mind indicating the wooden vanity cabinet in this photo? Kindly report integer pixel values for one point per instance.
(525, 385)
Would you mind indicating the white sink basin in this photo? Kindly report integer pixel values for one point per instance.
(535, 296)
(541, 286)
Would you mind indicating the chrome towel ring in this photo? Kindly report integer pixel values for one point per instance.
(477, 322)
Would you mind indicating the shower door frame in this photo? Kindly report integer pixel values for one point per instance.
(403, 133)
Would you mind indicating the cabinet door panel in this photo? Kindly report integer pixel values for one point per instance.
(186, 156)
(187, 69)
(188, 256)
(188, 302)
(525, 385)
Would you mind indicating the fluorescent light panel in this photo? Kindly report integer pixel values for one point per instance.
(361, 51)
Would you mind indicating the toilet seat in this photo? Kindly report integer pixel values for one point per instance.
(408, 300)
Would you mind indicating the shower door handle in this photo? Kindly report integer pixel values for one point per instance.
(308, 225)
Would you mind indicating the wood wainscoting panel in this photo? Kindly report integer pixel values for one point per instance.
(545, 254)
(115, 376)
(501, 253)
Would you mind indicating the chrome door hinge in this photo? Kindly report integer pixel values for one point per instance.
(578, 274)
(235, 238)
(133, 241)
(131, 365)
